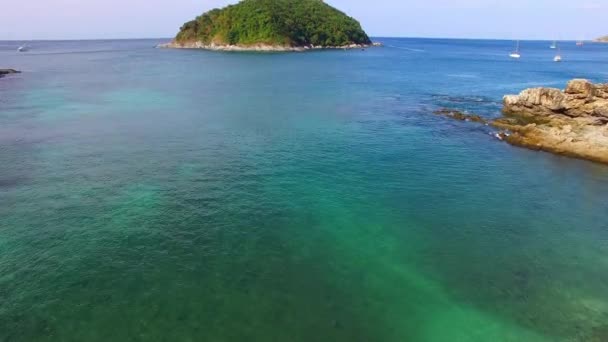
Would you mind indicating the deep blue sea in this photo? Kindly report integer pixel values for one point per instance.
(185, 195)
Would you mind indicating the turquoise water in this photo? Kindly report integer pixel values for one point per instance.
(163, 195)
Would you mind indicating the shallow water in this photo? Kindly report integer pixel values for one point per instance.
(175, 195)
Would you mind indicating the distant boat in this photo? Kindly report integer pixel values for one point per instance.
(580, 43)
(558, 57)
(515, 54)
(553, 45)
(23, 48)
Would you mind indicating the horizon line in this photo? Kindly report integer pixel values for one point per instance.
(372, 37)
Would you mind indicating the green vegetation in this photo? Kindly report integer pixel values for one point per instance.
(275, 22)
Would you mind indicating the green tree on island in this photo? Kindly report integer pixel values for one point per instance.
(275, 22)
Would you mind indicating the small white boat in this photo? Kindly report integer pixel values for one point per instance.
(515, 54)
(554, 45)
(558, 57)
(580, 43)
(23, 48)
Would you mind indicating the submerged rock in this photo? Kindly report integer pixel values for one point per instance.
(458, 115)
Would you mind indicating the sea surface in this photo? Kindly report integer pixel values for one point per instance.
(184, 195)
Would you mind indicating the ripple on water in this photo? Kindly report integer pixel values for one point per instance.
(232, 197)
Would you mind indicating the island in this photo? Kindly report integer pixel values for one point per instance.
(572, 122)
(272, 25)
(4, 72)
(603, 39)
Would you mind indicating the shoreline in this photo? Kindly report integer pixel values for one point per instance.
(261, 47)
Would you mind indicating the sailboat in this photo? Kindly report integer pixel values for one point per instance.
(558, 57)
(23, 48)
(515, 54)
(554, 45)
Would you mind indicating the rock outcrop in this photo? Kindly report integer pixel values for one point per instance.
(4, 72)
(573, 122)
(580, 99)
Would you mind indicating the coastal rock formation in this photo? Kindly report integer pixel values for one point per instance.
(272, 25)
(580, 99)
(603, 39)
(4, 72)
(572, 122)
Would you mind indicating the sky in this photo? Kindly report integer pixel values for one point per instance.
(501, 19)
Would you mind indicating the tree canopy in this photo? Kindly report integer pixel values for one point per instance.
(275, 22)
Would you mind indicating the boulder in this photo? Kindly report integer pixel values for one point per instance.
(535, 101)
(549, 98)
(580, 89)
(601, 91)
(601, 110)
(581, 98)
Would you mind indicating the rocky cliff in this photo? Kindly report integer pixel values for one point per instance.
(572, 122)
